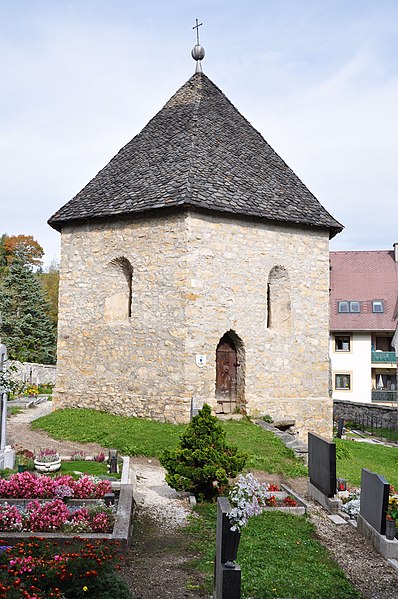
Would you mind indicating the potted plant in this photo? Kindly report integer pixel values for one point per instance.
(47, 460)
(24, 460)
(31, 390)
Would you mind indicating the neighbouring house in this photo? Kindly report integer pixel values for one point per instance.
(363, 321)
(195, 267)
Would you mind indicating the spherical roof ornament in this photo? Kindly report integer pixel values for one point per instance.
(198, 52)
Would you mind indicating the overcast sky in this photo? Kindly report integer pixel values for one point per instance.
(318, 79)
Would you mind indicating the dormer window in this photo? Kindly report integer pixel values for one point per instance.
(344, 307)
(377, 307)
(347, 307)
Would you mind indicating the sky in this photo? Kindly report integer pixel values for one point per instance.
(318, 79)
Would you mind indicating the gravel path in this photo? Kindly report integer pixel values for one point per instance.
(157, 561)
(19, 432)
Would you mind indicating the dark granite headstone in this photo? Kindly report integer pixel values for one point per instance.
(322, 464)
(340, 427)
(227, 575)
(374, 499)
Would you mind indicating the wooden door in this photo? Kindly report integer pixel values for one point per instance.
(226, 384)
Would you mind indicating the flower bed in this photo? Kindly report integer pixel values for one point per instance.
(38, 569)
(249, 497)
(60, 507)
(50, 516)
(27, 485)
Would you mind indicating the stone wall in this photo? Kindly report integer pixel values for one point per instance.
(352, 410)
(194, 278)
(30, 372)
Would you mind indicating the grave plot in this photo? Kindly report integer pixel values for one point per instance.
(375, 521)
(60, 507)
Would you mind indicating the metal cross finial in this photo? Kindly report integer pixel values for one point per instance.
(197, 30)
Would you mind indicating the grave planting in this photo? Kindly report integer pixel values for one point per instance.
(39, 569)
(63, 505)
(278, 556)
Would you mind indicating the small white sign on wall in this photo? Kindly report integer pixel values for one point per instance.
(200, 360)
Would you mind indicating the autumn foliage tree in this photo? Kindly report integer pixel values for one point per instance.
(15, 245)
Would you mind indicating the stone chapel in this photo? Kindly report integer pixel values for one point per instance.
(195, 267)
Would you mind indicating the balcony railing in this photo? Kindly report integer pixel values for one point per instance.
(380, 396)
(384, 357)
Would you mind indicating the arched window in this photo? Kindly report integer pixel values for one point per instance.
(279, 309)
(119, 288)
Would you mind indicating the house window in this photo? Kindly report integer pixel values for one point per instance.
(344, 307)
(355, 307)
(377, 306)
(342, 343)
(342, 382)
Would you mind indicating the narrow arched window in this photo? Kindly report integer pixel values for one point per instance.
(279, 309)
(119, 290)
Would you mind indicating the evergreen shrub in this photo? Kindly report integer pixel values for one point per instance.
(203, 462)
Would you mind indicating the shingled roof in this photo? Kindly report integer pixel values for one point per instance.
(364, 276)
(199, 152)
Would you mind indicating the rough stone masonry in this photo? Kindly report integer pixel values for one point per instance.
(194, 278)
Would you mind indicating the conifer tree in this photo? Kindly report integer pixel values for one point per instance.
(203, 462)
(25, 325)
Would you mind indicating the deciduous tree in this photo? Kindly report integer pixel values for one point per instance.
(50, 284)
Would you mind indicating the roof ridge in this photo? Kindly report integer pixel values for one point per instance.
(194, 133)
(359, 251)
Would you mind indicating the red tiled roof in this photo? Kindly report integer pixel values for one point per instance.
(364, 276)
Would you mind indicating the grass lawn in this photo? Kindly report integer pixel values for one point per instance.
(353, 456)
(266, 452)
(137, 436)
(131, 436)
(86, 467)
(278, 555)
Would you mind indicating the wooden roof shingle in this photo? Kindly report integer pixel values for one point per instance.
(199, 152)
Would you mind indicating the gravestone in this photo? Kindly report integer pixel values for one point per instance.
(374, 500)
(227, 574)
(7, 455)
(3, 405)
(197, 404)
(322, 464)
(340, 427)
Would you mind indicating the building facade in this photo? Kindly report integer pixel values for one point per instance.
(364, 312)
(194, 268)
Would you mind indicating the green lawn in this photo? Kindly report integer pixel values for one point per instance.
(265, 450)
(353, 456)
(278, 555)
(131, 436)
(137, 436)
(86, 467)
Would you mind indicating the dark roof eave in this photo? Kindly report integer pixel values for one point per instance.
(59, 224)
